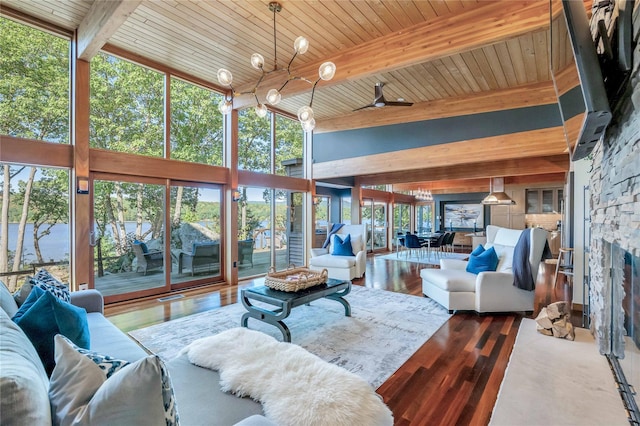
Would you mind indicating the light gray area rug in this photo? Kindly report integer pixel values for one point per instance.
(384, 330)
(552, 381)
(432, 260)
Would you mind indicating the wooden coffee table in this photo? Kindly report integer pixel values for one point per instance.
(283, 302)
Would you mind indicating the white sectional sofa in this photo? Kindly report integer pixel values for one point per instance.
(342, 267)
(456, 289)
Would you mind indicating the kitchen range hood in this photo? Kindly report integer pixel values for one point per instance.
(497, 196)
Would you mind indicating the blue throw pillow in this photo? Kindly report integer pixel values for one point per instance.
(143, 246)
(478, 250)
(33, 297)
(485, 261)
(49, 316)
(342, 248)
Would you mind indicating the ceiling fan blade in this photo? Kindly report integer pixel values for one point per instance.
(366, 106)
(393, 103)
(378, 92)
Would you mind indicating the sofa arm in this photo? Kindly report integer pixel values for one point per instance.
(361, 263)
(453, 264)
(315, 252)
(91, 300)
(495, 292)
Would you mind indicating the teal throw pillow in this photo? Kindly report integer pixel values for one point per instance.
(485, 261)
(143, 246)
(49, 316)
(342, 247)
(33, 297)
(478, 250)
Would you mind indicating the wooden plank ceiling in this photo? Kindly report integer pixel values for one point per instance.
(448, 57)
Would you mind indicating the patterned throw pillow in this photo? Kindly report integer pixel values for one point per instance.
(48, 282)
(108, 364)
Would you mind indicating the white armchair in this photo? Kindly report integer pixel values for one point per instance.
(456, 289)
(342, 267)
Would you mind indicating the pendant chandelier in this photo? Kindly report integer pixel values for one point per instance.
(422, 195)
(305, 114)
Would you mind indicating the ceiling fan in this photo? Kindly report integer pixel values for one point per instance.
(379, 100)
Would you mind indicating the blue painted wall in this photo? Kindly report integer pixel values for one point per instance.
(382, 139)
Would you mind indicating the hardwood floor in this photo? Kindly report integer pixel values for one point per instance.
(453, 379)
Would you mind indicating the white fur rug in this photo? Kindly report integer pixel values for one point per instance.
(294, 386)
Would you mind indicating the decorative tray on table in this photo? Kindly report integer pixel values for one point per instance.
(294, 279)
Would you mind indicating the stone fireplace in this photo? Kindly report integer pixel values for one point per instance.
(614, 249)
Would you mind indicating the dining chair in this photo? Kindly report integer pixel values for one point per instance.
(412, 242)
(438, 243)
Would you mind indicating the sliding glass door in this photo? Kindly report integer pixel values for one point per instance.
(374, 217)
(196, 245)
(133, 254)
(129, 251)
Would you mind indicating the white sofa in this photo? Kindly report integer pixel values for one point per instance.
(456, 289)
(342, 267)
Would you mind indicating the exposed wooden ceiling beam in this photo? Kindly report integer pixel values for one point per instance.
(478, 184)
(489, 23)
(101, 22)
(544, 165)
(534, 143)
(497, 100)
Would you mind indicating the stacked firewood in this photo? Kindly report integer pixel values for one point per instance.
(555, 320)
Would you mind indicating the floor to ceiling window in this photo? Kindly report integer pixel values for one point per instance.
(345, 210)
(197, 133)
(34, 104)
(127, 107)
(401, 218)
(254, 141)
(35, 230)
(374, 217)
(424, 218)
(136, 201)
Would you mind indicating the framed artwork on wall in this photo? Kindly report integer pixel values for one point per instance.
(463, 215)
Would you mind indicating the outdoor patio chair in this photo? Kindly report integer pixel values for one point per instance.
(204, 256)
(147, 259)
(245, 252)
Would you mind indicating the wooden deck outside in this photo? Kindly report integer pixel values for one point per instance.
(127, 282)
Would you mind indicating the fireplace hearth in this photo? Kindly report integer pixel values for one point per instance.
(614, 244)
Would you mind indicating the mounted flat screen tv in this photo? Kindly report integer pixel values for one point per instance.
(577, 78)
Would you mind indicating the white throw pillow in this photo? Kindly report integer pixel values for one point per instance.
(138, 394)
(505, 257)
(356, 243)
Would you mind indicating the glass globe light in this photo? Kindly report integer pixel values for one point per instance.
(274, 97)
(327, 70)
(224, 77)
(257, 61)
(261, 110)
(305, 114)
(301, 45)
(225, 106)
(308, 126)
